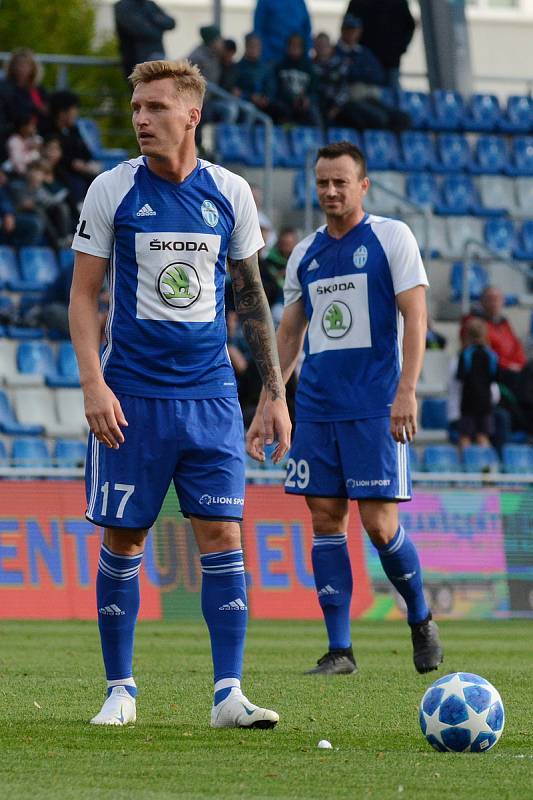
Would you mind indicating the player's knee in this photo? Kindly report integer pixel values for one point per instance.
(125, 541)
(328, 522)
(379, 529)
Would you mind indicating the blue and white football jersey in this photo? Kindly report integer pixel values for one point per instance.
(354, 338)
(167, 246)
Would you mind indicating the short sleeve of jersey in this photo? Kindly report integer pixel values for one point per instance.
(94, 234)
(403, 254)
(246, 238)
(292, 289)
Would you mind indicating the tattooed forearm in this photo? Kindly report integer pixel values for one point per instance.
(256, 321)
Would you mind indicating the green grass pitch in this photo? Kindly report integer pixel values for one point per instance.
(50, 684)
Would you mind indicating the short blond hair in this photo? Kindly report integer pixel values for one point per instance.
(186, 76)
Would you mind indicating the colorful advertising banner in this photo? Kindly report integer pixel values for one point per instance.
(475, 544)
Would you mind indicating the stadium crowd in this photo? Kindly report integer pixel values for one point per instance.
(297, 78)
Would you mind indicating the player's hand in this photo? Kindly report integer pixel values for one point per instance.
(403, 417)
(277, 427)
(104, 414)
(255, 437)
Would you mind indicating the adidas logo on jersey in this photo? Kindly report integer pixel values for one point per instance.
(313, 265)
(327, 590)
(146, 211)
(111, 611)
(234, 605)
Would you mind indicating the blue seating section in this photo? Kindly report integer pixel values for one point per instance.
(30, 453)
(9, 271)
(434, 415)
(517, 458)
(69, 453)
(90, 134)
(67, 372)
(9, 423)
(441, 458)
(477, 458)
(478, 280)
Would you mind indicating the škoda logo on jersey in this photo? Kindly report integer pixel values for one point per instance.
(179, 247)
(178, 285)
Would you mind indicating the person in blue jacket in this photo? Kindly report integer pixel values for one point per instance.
(275, 21)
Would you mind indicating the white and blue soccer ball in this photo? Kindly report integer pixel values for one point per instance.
(462, 712)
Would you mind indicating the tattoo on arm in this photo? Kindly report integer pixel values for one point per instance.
(254, 314)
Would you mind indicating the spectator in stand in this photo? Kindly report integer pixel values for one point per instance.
(273, 268)
(208, 57)
(296, 98)
(53, 198)
(333, 87)
(255, 80)
(24, 144)
(366, 79)
(140, 25)
(275, 21)
(20, 225)
(228, 65)
(76, 170)
(388, 28)
(477, 370)
(20, 92)
(501, 336)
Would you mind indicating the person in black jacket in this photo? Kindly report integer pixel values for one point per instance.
(477, 370)
(388, 28)
(140, 25)
(296, 100)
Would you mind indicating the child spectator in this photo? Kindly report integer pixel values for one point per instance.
(24, 145)
(296, 100)
(477, 370)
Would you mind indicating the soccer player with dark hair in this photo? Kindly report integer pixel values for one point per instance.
(161, 401)
(355, 288)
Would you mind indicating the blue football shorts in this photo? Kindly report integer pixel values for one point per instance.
(357, 459)
(198, 444)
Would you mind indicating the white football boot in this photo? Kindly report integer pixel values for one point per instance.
(118, 709)
(236, 711)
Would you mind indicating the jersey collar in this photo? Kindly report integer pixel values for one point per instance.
(178, 186)
(348, 233)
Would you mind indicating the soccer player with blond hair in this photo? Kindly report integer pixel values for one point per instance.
(161, 400)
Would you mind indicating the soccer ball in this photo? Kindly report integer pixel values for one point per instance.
(462, 712)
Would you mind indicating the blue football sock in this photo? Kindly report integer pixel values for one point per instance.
(225, 610)
(402, 567)
(334, 585)
(117, 597)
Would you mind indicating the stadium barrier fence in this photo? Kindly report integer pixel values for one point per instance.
(474, 534)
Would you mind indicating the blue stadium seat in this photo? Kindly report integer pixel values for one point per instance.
(524, 249)
(491, 156)
(477, 458)
(4, 460)
(449, 111)
(38, 268)
(9, 423)
(8, 310)
(299, 191)
(343, 135)
(478, 280)
(414, 459)
(36, 358)
(66, 258)
(9, 272)
(517, 458)
(500, 235)
(453, 153)
(303, 139)
(434, 415)
(90, 133)
(30, 453)
(69, 453)
(442, 458)
(68, 373)
(233, 143)
(418, 106)
(281, 151)
(521, 162)
(381, 150)
(518, 116)
(483, 113)
(460, 196)
(421, 188)
(418, 151)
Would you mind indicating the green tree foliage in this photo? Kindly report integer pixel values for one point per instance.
(48, 26)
